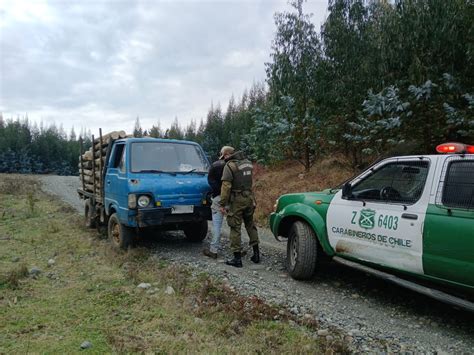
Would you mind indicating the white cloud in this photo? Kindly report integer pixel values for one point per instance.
(241, 58)
(103, 63)
(24, 11)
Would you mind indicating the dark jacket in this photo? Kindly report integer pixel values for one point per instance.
(238, 170)
(215, 175)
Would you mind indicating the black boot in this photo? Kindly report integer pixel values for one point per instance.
(236, 261)
(256, 254)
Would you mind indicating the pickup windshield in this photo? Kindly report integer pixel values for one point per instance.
(167, 158)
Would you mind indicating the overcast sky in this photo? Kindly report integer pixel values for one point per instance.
(92, 64)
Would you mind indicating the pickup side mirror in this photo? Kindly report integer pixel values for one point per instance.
(346, 191)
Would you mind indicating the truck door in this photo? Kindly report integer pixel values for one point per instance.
(382, 219)
(448, 239)
(116, 181)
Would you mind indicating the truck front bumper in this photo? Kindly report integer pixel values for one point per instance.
(151, 217)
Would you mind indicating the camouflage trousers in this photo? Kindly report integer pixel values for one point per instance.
(241, 209)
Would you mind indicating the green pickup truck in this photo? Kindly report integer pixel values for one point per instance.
(408, 219)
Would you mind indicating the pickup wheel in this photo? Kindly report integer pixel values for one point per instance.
(302, 251)
(196, 232)
(119, 235)
(89, 220)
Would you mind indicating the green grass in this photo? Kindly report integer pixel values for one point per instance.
(90, 293)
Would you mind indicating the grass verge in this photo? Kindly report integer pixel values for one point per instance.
(82, 290)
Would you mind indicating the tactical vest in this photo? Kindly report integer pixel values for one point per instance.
(242, 174)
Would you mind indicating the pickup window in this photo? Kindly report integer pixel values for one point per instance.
(167, 157)
(459, 185)
(398, 182)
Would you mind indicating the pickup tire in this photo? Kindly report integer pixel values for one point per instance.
(302, 251)
(89, 220)
(119, 235)
(196, 232)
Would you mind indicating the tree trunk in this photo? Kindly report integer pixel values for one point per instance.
(307, 160)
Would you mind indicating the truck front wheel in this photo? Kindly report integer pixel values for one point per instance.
(119, 235)
(196, 232)
(302, 251)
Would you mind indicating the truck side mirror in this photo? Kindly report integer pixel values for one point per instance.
(346, 191)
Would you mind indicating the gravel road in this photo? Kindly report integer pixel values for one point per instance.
(374, 314)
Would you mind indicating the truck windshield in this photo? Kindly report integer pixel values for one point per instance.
(167, 157)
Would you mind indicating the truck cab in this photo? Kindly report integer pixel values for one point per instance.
(151, 182)
(408, 215)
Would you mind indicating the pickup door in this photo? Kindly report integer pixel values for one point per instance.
(448, 239)
(382, 222)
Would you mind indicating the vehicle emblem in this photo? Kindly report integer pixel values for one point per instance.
(367, 219)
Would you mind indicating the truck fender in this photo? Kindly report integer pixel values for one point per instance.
(299, 211)
(111, 208)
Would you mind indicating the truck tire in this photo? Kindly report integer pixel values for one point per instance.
(119, 235)
(89, 220)
(196, 232)
(302, 251)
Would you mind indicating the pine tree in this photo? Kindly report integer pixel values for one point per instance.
(175, 131)
(72, 135)
(213, 138)
(292, 77)
(137, 130)
(155, 131)
(190, 133)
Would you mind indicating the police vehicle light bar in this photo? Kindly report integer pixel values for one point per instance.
(455, 148)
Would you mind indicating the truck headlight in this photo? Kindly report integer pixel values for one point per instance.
(132, 201)
(143, 201)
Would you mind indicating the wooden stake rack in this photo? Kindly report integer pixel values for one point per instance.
(92, 165)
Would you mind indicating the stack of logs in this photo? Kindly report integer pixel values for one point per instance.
(92, 162)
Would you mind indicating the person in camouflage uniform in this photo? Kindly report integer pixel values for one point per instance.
(236, 192)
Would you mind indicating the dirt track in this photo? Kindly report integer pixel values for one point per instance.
(376, 315)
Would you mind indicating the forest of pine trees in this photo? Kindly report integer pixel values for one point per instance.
(27, 148)
(377, 78)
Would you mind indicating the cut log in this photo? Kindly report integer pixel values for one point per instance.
(101, 152)
(87, 156)
(111, 137)
(97, 162)
(87, 165)
(88, 172)
(89, 179)
(98, 146)
(90, 187)
(97, 176)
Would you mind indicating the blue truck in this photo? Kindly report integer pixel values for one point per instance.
(131, 184)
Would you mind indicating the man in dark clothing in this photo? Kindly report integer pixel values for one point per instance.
(236, 191)
(214, 178)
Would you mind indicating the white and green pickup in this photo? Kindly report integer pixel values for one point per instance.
(408, 219)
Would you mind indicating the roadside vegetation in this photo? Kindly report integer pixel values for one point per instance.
(61, 286)
(271, 182)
